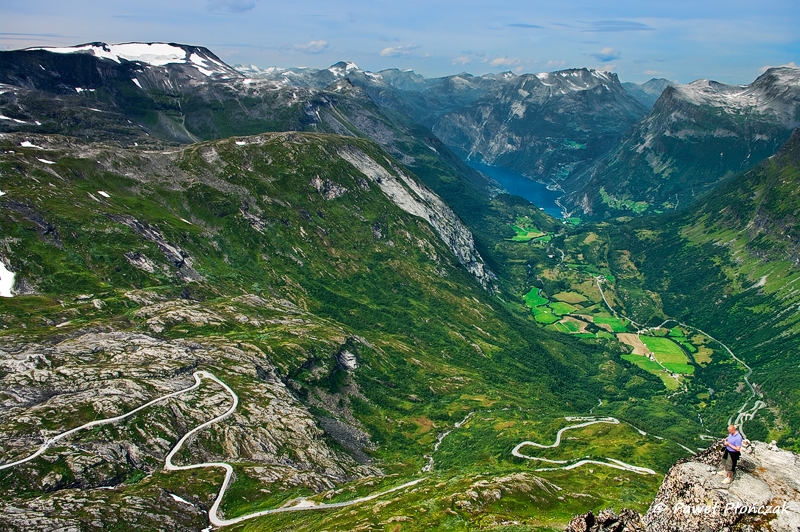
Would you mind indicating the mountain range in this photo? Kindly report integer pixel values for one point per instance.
(586, 132)
(364, 316)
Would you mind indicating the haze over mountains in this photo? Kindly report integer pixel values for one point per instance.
(388, 323)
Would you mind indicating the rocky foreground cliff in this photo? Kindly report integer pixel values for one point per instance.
(765, 495)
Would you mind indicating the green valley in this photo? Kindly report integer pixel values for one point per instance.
(254, 305)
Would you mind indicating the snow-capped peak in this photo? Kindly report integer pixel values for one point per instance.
(154, 54)
(576, 79)
(342, 68)
(777, 91)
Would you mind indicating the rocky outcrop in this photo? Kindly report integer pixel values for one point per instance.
(94, 474)
(182, 262)
(415, 199)
(607, 521)
(765, 495)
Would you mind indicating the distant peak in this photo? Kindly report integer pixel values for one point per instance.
(342, 68)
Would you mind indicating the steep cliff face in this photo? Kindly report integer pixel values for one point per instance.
(545, 126)
(415, 199)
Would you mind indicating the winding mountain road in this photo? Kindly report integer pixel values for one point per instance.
(616, 464)
(49, 442)
(213, 517)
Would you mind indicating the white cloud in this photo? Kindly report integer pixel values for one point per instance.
(312, 47)
(397, 51)
(606, 54)
(461, 60)
(555, 63)
(504, 61)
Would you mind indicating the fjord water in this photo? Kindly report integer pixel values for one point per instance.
(519, 185)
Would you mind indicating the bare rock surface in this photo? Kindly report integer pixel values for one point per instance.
(117, 469)
(764, 495)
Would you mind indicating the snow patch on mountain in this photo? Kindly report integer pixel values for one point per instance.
(776, 92)
(6, 281)
(154, 54)
(342, 69)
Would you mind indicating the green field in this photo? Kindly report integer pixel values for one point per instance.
(677, 332)
(526, 231)
(561, 309)
(524, 235)
(544, 315)
(617, 325)
(643, 362)
(533, 299)
(650, 366)
(669, 354)
(569, 297)
(568, 327)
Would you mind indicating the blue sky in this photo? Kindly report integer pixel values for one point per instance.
(731, 41)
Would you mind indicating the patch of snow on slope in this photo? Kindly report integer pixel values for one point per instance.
(343, 71)
(136, 81)
(6, 281)
(4, 117)
(156, 54)
(29, 144)
(180, 499)
(45, 161)
(200, 64)
(97, 51)
(775, 94)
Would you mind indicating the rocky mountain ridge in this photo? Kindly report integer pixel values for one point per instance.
(696, 136)
(544, 126)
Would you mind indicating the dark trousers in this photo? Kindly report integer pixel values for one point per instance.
(734, 458)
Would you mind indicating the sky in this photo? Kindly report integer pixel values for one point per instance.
(730, 41)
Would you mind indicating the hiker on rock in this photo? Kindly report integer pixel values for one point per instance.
(733, 448)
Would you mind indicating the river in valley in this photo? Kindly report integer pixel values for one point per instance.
(519, 185)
